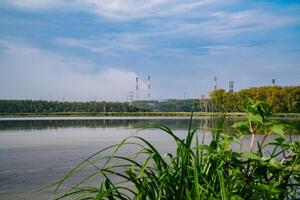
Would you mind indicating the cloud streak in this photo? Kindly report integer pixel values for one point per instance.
(105, 46)
(36, 4)
(119, 9)
(167, 33)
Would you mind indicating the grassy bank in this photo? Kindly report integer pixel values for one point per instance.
(142, 114)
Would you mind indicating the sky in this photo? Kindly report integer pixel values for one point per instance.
(82, 50)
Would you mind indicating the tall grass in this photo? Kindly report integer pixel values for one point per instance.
(197, 170)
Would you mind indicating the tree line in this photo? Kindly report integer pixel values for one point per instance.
(170, 105)
(32, 106)
(281, 99)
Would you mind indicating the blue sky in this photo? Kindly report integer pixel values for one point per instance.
(94, 49)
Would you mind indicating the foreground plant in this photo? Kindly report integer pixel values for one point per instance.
(197, 171)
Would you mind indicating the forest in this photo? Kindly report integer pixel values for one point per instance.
(281, 99)
(31, 106)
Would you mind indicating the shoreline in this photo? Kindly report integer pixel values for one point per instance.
(138, 114)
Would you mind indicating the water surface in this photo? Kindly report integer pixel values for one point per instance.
(35, 152)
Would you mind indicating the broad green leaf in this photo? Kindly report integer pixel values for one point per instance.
(278, 129)
(251, 156)
(255, 118)
(236, 197)
(241, 126)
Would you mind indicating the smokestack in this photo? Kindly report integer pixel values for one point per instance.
(149, 94)
(230, 86)
(137, 88)
(215, 83)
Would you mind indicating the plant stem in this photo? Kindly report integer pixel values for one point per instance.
(241, 144)
(252, 131)
(264, 139)
(252, 142)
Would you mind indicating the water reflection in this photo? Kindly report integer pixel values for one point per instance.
(173, 123)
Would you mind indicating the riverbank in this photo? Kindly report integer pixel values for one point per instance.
(142, 114)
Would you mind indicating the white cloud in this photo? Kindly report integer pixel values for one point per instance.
(119, 9)
(105, 46)
(218, 25)
(36, 4)
(80, 43)
(130, 9)
(30, 73)
(247, 21)
(209, 17)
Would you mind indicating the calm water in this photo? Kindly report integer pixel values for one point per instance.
(35, 152)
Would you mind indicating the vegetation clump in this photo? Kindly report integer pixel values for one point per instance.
(281, 99)
(267, 169)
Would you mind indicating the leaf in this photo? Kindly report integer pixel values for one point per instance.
(236, 197)
(274, 163)
(251, 156)
(241, 126)
(222, 184)
(278, 129)
(255, 118)
(202, 147)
